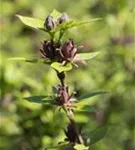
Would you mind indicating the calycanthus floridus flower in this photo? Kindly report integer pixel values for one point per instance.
(48, 50)
(68, 51)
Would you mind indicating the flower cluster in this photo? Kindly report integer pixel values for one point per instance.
(59, 52)
(55, 50)
(60, 56)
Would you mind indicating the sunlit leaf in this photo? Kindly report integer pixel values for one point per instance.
(55, 14)
(40, 99)
(32, 22)
(85, 56)
(70, 24)
(81, 147)
(97, 134)
(60, 68)
(30, 60)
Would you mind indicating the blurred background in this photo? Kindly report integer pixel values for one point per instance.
(29, 126)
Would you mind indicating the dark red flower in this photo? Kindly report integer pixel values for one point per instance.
(68, 51)
(48, 50)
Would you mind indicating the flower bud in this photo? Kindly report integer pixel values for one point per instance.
(49, 23)
(63, 18)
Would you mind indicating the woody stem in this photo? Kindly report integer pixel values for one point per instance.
(68, 111)
(72, 121)
(61, 77)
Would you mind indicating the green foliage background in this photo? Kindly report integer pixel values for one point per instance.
(29, 126)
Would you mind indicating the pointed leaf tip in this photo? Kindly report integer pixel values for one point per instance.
(86, 109)
(86, 56)
(39, 99)
(71, 24)
(30, 60)
(91, 94)
(88, 98)
(32, 22)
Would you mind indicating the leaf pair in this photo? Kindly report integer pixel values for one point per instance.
(39, 23)
(56, 65)
(81, 105)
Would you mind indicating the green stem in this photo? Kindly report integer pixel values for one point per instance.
(61, 35)
(51, 35)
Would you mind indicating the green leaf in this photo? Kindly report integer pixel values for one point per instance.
(97, 134)
(31, 60)
(87, 108)
(81, 147)
(70, 24)
(32, 22)
(86, 56)
(40, 99)
(88, 99)
(89, 95)
(55, 14)
(60, 68)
